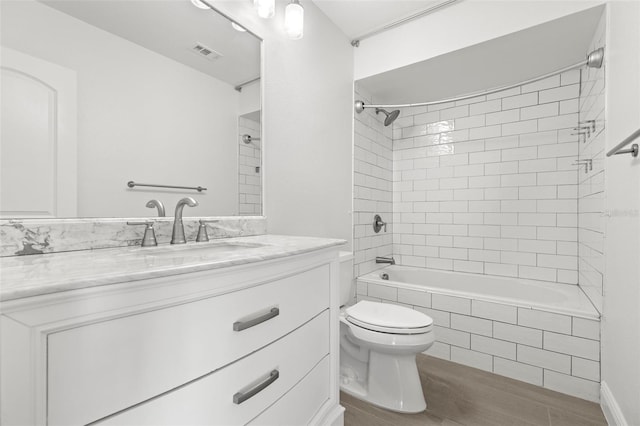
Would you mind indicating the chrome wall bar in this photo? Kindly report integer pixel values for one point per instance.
(633, 150)
(356, 41)
(132, 184)
(246, 83)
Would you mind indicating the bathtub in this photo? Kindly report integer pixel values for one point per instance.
(558, 298)
(542, 333)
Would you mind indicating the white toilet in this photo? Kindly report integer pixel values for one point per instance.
(378, 347)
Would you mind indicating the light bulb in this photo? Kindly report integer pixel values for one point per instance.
(199, 4)
(294, 20)
(265, 8)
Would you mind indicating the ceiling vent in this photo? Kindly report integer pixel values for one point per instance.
(205, 52)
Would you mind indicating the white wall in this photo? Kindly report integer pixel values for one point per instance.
(621, 317)
(118, 140)
(454, 28)
(307, 122)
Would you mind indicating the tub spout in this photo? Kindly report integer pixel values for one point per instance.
(390, 260)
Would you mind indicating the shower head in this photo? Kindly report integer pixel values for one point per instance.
(391, 116)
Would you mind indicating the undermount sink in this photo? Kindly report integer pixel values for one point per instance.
(200, 249)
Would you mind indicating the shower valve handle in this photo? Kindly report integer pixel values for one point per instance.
(378, 224)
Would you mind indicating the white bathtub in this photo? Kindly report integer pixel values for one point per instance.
(545, 296)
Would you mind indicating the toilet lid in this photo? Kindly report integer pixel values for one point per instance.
(388, 318)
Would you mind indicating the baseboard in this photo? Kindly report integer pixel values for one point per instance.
(610, 407)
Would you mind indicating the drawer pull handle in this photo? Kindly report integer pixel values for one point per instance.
(243, 325)
(241, 397)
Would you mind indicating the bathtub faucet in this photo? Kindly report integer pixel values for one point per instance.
(389, 260)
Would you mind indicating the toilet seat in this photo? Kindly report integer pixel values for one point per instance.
(387, 318)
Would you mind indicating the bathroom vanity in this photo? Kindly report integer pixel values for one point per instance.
(235, 331)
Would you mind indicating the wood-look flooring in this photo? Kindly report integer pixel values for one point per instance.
(460, 395)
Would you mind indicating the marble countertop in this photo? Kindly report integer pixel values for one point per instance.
(27, 276)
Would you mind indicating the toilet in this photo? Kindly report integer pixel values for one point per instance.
(378, 347)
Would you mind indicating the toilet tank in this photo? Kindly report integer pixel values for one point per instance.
(347, 285)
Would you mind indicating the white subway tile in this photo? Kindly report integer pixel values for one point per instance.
(538, 219)
(453, 253)
(539, 138)
(453, 206)
(454, 160)
(575, 386)
(484, 256)
(539, 111)
(494, 311)
(544, 320)
(469, 122)
(413, 297)
(471, 324)
(558, 150)
(537, 246)
(558, 178)
(501, 193)
(545, 359)
(501, 269)
(438, 263)
(383, 292)
(455, 112)
(501, 218)
(520, 101)
(484, 181)
(468, 266)
(452, 337)
(469, 170)
(454, 183)
(570, 77)
(453, 230)
(559, 93)
(557, 261)
(557, 206)
(557, 233)
(501, 168)
(467, 242)
(567, 277)
(514, 333)
(504, 93)
(507, 116)
(440, 318)
(587, 328)
(577, 346)
(485, 132)
(585, 369)
(468, 194)
(540, 165)
(485, 107)
(518, 206)
(501, 142)
(570, 105)
(518, 371)
(518, 258)
(495, 347)
(472, 358)
(519, 127)
(537, 273)
(484, 206)
(524, 179)
(484, 157)
(519, 153)
(451, 303)
(438, 127)
(439, 350)
(547, 83)
(565, 121)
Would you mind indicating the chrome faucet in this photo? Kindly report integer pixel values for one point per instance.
(177, 237)
(157, 204)
(390, 260)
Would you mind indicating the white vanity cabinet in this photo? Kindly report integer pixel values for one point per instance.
(254, 343)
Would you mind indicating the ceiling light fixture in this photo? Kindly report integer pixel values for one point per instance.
(199, 4)
(294, 20)
(265, 8)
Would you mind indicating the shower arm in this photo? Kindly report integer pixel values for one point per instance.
(594, 60)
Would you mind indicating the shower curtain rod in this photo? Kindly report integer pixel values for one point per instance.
(594, 60)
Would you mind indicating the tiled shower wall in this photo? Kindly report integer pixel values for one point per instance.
(249, 172)
(488, 186)
(373, 184)
(591, 182)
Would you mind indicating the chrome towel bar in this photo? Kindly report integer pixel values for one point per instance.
(633, 150)
(132, 184)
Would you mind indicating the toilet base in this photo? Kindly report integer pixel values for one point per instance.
(392, 383)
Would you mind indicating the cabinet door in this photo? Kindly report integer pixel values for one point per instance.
(210, 400)
(100, 369)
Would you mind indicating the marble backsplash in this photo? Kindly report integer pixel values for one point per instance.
(36, 236)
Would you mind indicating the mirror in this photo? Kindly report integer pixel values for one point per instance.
(99, 93)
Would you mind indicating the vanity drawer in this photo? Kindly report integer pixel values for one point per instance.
(210, 400)
(99, 369)
(301, 404)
